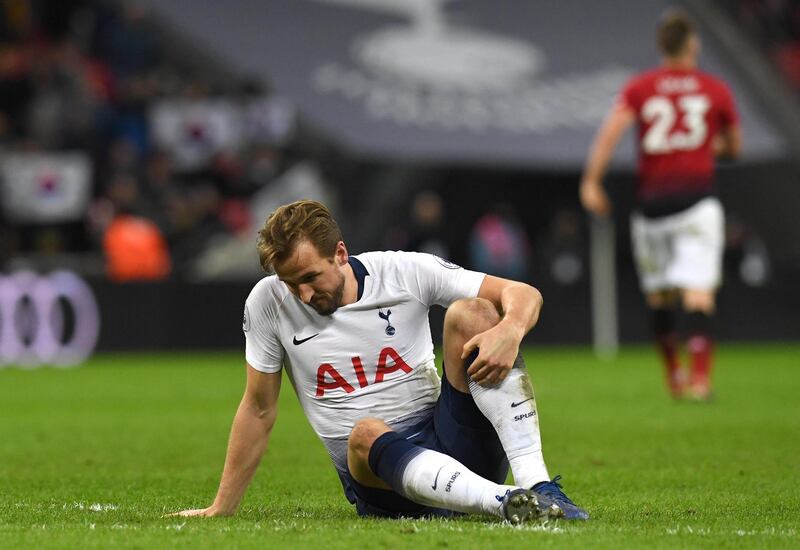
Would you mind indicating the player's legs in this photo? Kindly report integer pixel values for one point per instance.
(697, 269)
(699, 305)
(652, 241)
(663, 306)
(359, 443)
(509, 406)
(380, 458)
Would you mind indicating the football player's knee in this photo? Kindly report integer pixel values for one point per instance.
(661, 299)
(699, 301)
(471, 316)
(364, 434)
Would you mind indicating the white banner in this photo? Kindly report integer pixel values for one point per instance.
(45, 187)
(192, 130)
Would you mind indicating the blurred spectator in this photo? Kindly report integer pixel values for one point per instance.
(68, 90)
(563, 248)
(121, 157)
(775, 25)
(175, 156)
(123, 191)
(134, 246)
(159, 182)
(16, 21)
(233, 255)
(746, 253)
(127, 41)
(135, 250)
(16, 88)
(127, 120)
(263, 163)
(194, 220)
(499, 244)
(425, 230)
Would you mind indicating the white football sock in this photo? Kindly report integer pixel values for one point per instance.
(435, 479)
(511, 408)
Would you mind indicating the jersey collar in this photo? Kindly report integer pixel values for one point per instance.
(360, 272)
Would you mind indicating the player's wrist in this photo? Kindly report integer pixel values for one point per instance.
(222, 509)
(516, 328)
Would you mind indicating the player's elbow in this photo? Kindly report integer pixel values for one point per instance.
(534, 294)
(267, 414)
(732, 144)
(261, 409)
(266, 419)
(730, 152)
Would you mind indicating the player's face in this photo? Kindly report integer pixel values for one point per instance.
(315, 280)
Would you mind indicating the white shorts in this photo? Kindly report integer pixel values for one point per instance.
(682, 250)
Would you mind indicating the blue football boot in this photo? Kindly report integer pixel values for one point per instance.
(521, 505)
(552, 490)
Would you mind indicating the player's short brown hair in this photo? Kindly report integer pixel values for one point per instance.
(674, 32)
(304, 220)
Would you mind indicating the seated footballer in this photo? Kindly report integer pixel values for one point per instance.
(353, 334)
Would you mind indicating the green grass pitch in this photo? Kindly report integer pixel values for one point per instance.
(92, 457)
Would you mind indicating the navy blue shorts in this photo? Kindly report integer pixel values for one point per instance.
(456, 428)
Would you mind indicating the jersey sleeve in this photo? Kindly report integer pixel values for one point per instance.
(728, 115)
(434, 280)
(263, 349)
(628, 97)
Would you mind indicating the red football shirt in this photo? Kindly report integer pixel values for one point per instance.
(678, 113)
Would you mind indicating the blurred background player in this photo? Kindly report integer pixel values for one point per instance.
(685, 119)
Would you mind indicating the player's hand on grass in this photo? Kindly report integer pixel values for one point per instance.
(497, 351)
(209, 512)
(594, 198)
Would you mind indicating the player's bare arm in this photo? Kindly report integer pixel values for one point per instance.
(593, 196)
(250, 433)
(728, 143)
(519, 305)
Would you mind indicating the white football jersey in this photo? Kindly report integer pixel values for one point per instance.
(371, 358)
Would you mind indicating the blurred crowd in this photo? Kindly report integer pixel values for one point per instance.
(775, 25)
(97, 115)
(113, 144)
(498, 241)
(503, 240)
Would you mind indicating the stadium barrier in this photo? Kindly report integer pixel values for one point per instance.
(46, 319)
(55, 319)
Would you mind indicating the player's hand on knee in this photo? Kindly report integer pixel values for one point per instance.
(497, 352)
(489, 376)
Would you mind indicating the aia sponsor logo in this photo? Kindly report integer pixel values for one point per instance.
(329, 379)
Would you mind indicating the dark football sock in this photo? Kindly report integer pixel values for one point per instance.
(388, 457)
(666, 338)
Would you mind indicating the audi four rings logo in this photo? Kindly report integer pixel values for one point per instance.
(46, 319)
